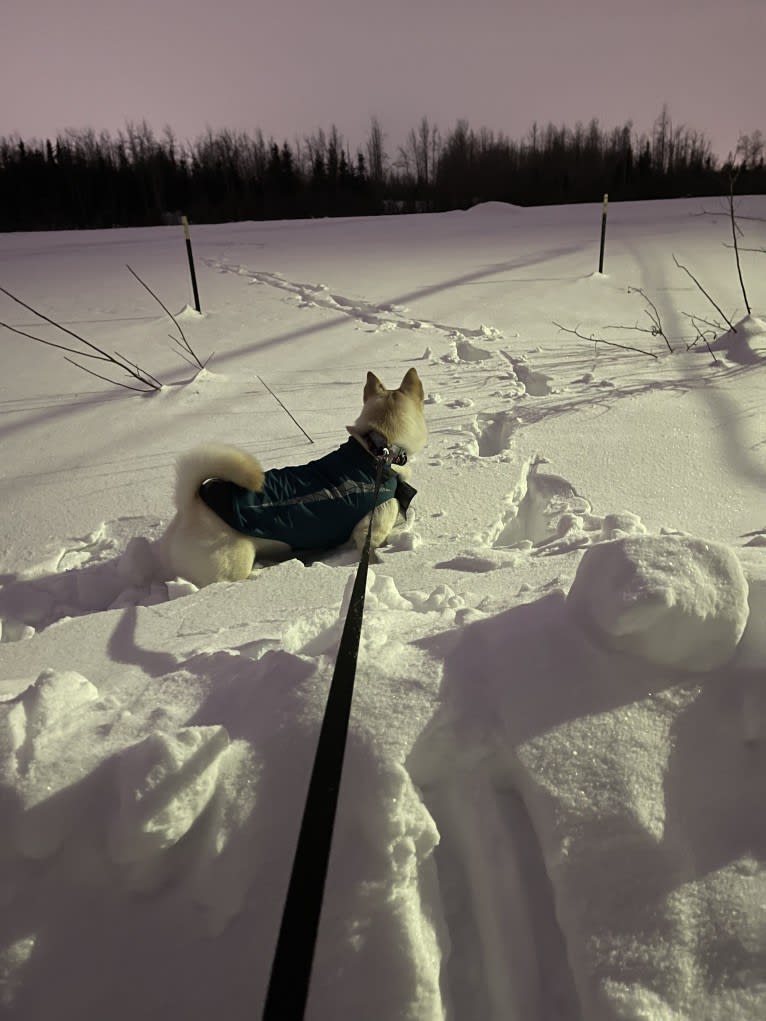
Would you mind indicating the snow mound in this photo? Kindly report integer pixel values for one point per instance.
(674, 601)
(493, 209)
(745, 344)
(187, 312)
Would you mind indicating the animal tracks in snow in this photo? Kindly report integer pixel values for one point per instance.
(492, 432)
(379, 316)
(545, 512)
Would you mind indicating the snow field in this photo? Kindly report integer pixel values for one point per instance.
(553, 788)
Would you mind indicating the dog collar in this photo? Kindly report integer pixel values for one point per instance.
(380, 448)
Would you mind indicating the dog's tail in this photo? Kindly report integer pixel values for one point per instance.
(215, 461)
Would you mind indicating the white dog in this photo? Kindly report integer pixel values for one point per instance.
(229, 510)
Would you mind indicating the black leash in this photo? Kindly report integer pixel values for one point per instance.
(291, 970)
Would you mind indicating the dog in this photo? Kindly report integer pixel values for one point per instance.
(230, 512)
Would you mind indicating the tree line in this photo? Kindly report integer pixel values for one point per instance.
(85, 180)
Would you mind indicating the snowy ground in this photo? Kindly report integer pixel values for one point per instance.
(553, 798)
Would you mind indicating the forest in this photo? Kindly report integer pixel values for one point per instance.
(137, 178)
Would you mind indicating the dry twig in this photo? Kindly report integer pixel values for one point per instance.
(145, 378)
(717, 307)
(761, 251)
(717, 327)
(656, 329)
(51, 343)
(734, 239)
(185, 343)
(701, 335)
(610, 343)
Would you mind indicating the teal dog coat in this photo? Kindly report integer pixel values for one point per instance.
(310, 506)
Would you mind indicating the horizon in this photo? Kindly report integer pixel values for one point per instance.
(296, 140)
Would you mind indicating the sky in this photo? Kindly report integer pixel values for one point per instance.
(291, 67)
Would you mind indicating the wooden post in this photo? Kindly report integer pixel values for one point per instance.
(185, 222)
(603, 234)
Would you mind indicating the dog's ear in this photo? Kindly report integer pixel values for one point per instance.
(411, 385)
(373, 387)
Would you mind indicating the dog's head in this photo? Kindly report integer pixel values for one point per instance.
(395, 414)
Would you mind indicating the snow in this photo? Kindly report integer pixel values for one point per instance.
(552, 803)
(676, 601)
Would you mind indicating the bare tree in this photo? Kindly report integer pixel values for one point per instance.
(419, 156)
(751, 149)
(376, 154)
(661, 139)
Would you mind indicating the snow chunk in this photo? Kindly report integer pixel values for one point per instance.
(617, 526)
(166, 782)
(13, 959)
(674, 601)
(465, 351)
(14, 631)
(43, 707)
(43, 758)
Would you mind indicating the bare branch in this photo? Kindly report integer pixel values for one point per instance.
(610, 343)
(702, 335)
(718, 327)
(761, 250)
(639, 329)
(105, 356)
(142, 374)
(654, 316)
(181, 350)
(58, 326)
(718, 308)
(723, 212)
(114, 382)
(186, 343)
(51, 343)
(734, 238)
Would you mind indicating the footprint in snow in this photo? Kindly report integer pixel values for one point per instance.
(491, 433)
(545, 512)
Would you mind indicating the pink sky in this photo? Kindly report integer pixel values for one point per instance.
(290, 67)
